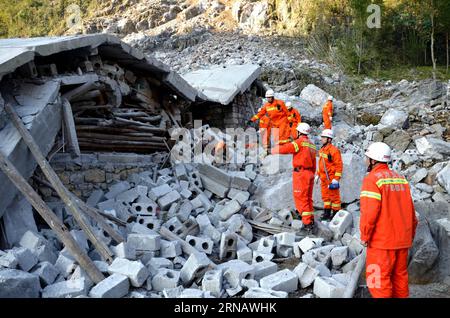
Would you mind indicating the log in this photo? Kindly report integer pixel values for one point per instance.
(120, 142)
(92, 136)
(51, 219)
(80, 90)
(69, 126)
(58, 185)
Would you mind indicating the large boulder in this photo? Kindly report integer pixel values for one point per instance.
(399, 140)
(274, 164)
(437, 215)
(443, 178)
(18, 284)
(432, 147)
(314, 95)
(350, 185)
(423, 254)
(275, 192)
(394, 118)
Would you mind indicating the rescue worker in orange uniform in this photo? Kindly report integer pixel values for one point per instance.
(294, 119)
(327, 113)
(277, 112)
(264, 130)
(304, 163)
(329, 172)
(388, 225)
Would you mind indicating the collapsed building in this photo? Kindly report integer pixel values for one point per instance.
(119, 99)
(101, 112)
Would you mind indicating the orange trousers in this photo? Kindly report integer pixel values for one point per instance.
(387, 273)
(303, 183)
(281, 133)
(265, 137)
(331, 198)
(326, 121)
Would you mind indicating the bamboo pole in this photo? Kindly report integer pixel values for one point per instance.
(58, 185)
(51, 219)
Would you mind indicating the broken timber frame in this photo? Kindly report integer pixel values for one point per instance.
(52, 220)
(58, 185)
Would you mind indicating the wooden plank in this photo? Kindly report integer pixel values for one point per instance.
(80, 90)
(51, 219)
(71, 133)
(58, 185)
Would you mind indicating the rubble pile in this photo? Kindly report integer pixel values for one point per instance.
(191, 230)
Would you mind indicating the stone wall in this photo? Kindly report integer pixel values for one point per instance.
(99, 170)
(233, 115)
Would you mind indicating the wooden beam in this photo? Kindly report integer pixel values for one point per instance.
(71, 133)
(58, 185)
(51, 219)
(80, 90)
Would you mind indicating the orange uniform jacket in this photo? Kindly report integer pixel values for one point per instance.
(388, 219)
(304, 153)
(276, 111)
(294, 117)
(330, 157)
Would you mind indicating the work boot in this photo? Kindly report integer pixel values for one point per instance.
(308, 228)
(326, 216)
(334, 212)
(296, 215)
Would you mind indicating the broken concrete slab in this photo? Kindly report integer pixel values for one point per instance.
(257, 292)
(284, 280)
(134, 270)
(47, 273)
(325, 287)
(114, 286)
(18, 284)
(222, 84)
(18, 219)
(66, 289)
(306, 274)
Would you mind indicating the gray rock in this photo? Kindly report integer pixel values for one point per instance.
(398, 140)
(394, 118)
(423, 254)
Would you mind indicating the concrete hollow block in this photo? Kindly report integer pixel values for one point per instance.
(201, 244)
(165, 279)
(212, 282)
(284, 280)
(228, 246)
(196, 265)
(340, 223)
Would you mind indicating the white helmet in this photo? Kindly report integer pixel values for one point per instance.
(327, 133)
(288, 104)
(330, 97)
(304, 128)
(270, 93)
(379, 151)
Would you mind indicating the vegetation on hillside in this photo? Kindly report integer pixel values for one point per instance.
(30, 18)
(412, 33)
